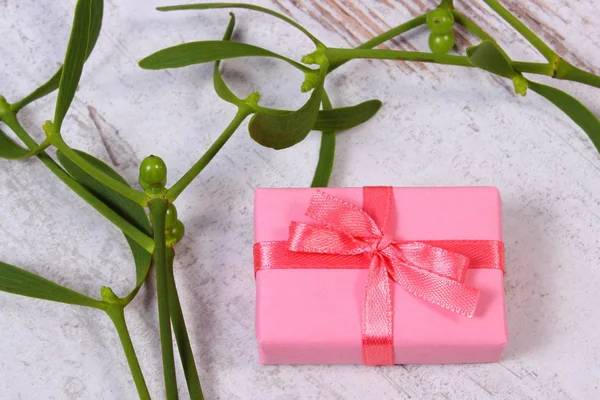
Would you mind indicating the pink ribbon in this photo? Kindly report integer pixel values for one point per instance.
(350, 238)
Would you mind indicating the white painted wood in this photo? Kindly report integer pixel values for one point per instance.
(439, 126)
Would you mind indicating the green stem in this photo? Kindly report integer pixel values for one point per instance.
(119, 187)
(129, 298)
(40, 149)
(447, 4)
(392, 33)
(556, 68)
(183, 340)
(128, 229)
(567, 71)
(533, 68)
(326, 152)
(348, 54)
(13, 123)
(47, 88)
(179, 186)
(117, 316)
(471, 26)
(384, 37)
(342, 55)
(520, 27)
(247, 6)
(158, 210)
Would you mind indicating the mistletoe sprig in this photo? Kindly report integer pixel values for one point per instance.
(153, 234)
(275, 129)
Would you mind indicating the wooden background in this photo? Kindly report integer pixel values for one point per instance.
(440, 125)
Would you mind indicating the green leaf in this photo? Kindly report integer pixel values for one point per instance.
(12, 151)
(193, 53)
(9, 149)
(573, 108)
(52, 84)
(490, 57)
(128, 209)
(86, 24)
(326, 160)
(221, 87)
(326, 152)
(282, 130)
(18, 281)
(339, 119)
(207, 6)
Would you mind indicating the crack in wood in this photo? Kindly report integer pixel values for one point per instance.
(481, 386)
(96, 120)
(119, 150)
(509, 370)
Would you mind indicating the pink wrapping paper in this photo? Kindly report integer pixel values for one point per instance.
(313, 316)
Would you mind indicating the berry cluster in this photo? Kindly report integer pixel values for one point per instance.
(440, 23)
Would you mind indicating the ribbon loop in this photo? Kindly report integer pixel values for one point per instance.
(342, 216)
(307, 238)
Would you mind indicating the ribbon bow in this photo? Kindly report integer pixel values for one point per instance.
(348, 237)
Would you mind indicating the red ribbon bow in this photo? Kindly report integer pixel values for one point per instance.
(349, 237)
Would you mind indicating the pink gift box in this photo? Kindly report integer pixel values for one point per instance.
(313, 316)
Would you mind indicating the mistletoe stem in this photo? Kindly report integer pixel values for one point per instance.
(520, 27)
(384, 37)
(119, 187)
(158, 210)
(175, 190)
(117, 316)
(181, 336)
(470, 25)
(567, 71)
(128, 229)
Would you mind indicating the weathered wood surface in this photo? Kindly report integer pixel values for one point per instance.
(439, 126)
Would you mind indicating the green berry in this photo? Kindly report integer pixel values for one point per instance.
(440, 21)
(441, 44)
(171, 217)
(153, 173)
(177, 232)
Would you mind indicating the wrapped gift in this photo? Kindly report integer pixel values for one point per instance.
(379, 275)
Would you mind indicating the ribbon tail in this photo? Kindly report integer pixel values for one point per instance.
(436, 289)
(377, 333)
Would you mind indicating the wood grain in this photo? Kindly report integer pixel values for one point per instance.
(357, 23)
